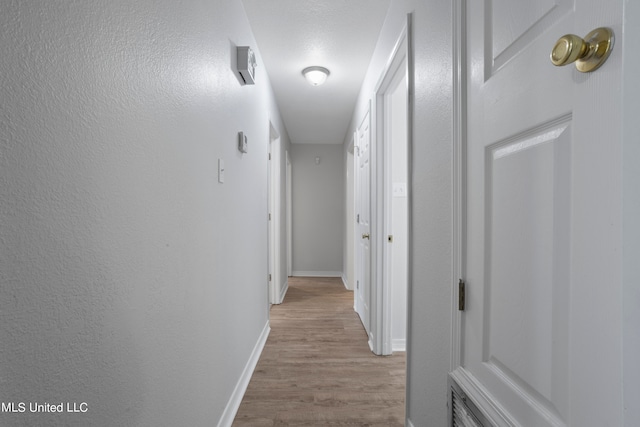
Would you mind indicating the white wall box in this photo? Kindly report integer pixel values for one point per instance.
(247, 64)
(242, 142)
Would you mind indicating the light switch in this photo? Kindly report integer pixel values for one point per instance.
(399, 189)
(220, 171)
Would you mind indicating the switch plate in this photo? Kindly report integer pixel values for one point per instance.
(399, 189)
(220, 171)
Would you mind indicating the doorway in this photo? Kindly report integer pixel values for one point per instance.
(391, 199)
(396, 206)
(382, 197)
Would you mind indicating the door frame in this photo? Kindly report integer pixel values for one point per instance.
(274, 216)
(359, 271)
(348, 277)
(459, 176)
(381, 194)
(457, 373)
(395, 215)
(289, 213)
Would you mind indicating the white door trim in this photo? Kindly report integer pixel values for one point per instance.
(459, 165)
(363, 290)
(354, 235)
(381, 199)
(274, 213)
(349, 219)
(289, 214)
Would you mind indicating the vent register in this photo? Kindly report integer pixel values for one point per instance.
(463, 412)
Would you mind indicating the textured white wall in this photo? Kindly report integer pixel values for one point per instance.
(318, 208)
(431, 191)
(130, 279)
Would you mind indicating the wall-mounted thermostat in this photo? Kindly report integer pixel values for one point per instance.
(247, 64)
(242, 142)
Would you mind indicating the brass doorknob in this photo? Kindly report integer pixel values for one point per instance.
(365, 235)
(588, 53)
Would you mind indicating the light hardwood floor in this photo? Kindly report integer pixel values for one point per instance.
(316, 368)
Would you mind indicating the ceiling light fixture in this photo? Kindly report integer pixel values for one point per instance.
(315, 75)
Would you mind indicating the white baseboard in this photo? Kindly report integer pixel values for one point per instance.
(399, 344)
(409, 423)
(241, 387)
(317, 273)
(345, 282)
(283, 291)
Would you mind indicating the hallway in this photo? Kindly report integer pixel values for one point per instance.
(317, 369)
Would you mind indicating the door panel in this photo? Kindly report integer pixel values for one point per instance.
(541, 331)
(527, 193)
(516, 24)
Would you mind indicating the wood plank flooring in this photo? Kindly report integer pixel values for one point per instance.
(316, 368)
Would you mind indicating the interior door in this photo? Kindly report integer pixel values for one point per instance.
(541, 331)
(363, 223)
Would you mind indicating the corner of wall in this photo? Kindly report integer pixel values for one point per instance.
(345, 282)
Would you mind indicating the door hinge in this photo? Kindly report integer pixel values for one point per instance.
(358, 219)
(269, 216)
(461, 296)
(269, 156)
(269, 276)
(357, 284)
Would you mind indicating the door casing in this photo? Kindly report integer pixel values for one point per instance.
(275, 197)
(364, 221)
(382, 193)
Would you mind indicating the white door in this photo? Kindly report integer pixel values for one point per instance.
(541, 336)
(363, 223)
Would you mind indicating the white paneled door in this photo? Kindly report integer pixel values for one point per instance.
(540, 337)
(363, 223)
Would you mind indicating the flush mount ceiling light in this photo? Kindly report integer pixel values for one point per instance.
(315, 75)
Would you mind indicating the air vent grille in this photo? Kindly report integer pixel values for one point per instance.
(461, 416)
(464, 413)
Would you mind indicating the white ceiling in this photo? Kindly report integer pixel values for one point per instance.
(336, 34)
